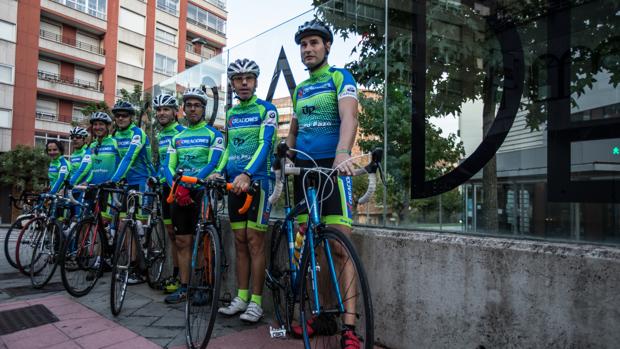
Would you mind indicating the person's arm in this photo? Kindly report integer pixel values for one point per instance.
(221, 167)
(63, 172)
(215, 153)
(137, 143)
(291, 139)
(170, 166)
(84, 170)
(347, 109)
(265, 141)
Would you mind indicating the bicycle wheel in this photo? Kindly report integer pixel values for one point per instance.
(24, 246)
(121, 266)
(353, 287)
(46, 255)
(203, 289)
(81, 258)
(279, 277)
(10, 239)
(156, 253)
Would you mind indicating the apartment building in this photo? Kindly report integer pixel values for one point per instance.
(58, 55)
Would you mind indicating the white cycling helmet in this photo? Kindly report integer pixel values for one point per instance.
(243, 66)
(78, 132)
(194, 92)
(165, 100)
(100, 116)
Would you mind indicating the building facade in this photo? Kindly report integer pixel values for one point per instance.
(59, 55)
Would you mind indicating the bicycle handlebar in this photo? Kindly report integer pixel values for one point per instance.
(370, 169)
(209, 183)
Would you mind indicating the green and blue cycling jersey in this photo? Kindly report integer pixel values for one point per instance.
(135, 148)
(57, 173)
(163, 138)
(196, 150)
(99, 162)
(251, 126)
(76, 158)
(315, 105)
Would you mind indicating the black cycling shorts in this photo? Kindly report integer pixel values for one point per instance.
(257, 216)
(185, 218)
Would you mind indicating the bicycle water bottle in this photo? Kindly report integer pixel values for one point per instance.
(299, 243)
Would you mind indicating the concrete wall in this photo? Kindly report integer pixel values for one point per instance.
(433, 290)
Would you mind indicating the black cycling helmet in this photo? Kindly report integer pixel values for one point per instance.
(124, 106)
(314, 27)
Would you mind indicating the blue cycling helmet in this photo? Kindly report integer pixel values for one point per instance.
(124, 106)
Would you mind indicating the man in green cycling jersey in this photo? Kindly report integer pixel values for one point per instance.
(251, 131)
(197, 151)
(166, 108)
(58, 170)
(323, 129)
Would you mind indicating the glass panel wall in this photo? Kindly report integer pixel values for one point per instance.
(498, 84)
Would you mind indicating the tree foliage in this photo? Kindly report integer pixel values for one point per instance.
(24, 168)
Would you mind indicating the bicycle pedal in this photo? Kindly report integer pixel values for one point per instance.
(277, 332)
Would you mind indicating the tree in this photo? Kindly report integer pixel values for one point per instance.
(24, 168)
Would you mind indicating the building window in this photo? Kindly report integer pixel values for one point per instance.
(6, 118)
(7, 31)
(166, 34)
(6, 74)
(41, 138)
(130, 55)
(126, 84)
(170, 6)
(47, 109)
(96, 8)
(77, 115)
(165, 65)
(205, 19)
(132, 21)
(49, 67)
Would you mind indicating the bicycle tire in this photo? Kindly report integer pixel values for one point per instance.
(357, 288)
(121, 265)
(201, 317)
(279, 272)
(10, 239)
(24, 246)
(156, 253)
(46, 255)
(82, 258)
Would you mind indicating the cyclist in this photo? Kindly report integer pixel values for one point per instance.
(197, 151)
(102, 156)
(78, 137)
(58, 170)
(251, 126)
(324, 126)
(166, 109)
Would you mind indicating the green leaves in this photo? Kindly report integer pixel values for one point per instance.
(24, 168)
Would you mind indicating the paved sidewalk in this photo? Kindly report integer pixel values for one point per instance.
(145, 320)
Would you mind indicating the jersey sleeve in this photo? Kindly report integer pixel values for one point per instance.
(83, 171)
(63, 173)
(215, 153)
(266, 134)
(170, 165)
(221, 167)
(345, 84)
(138, 139)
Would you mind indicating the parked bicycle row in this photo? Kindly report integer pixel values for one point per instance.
(111, 209)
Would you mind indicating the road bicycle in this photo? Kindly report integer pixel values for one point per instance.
(208, 259)
(30, 206)
(326, 282)
(140, 248)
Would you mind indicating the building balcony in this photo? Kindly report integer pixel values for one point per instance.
(167, 7)
(77, 14)
(68, 49)
(216, 37)
(66, 87)
(214, 6)
(51, 122)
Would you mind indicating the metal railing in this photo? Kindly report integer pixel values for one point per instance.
(218, 3)
(46, 116)
(53, 77)
(71, 42)
(82, 8)
(204, 26)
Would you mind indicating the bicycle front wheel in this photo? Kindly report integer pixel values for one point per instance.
(26, 240)
(10, 239)
(46, 255)
(338, 270)
(82, 258)
(156, 253)
(121, 264)
(203, 289)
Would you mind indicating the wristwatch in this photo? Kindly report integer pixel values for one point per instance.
(247, 174)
